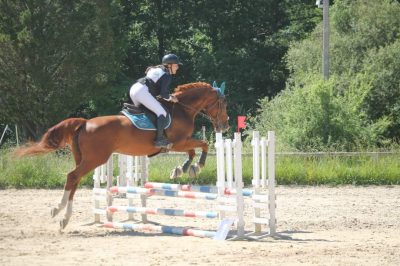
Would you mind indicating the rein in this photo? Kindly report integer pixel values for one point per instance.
(202, 113)
(197, 111)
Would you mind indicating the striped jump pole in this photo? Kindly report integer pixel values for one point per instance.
(163, 211)
(161, 229)
(163, 192)
(204, 189)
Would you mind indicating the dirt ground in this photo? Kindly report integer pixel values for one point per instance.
(316, 226)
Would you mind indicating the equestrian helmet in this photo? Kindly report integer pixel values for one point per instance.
(171, 59)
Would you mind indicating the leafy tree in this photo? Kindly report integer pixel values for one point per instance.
(248, 40)
(65, 58)
(380, 73)
(54, 57)
(356, 27)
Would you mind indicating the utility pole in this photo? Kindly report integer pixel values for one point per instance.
(325, 48)
(324, 4)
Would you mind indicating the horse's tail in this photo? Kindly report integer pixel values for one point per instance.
(55, 138)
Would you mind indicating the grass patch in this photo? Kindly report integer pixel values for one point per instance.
(339, 170)
(49, 171)
(298, 170)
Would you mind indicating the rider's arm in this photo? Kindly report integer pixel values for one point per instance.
(165, 82)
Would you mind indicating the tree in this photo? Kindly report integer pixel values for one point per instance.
(54, 57)
(66, 58)
(380, 73)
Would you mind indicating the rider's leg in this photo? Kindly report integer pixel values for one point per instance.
(161, 141)
(141, 95)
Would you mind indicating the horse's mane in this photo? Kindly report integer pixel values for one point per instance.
(187, 87)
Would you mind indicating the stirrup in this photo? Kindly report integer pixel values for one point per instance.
(163, 144)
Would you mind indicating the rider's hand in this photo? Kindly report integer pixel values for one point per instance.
(172, 98)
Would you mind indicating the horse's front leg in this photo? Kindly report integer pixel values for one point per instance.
(189, 146)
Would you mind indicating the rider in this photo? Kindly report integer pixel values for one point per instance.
(156, 83)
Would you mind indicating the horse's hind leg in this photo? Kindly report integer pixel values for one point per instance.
(179, 170)
(189, 147)
(78, 158)
(73, 179)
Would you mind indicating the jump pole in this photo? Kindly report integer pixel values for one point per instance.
(161, 229)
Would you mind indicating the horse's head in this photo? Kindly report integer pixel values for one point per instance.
(200, 97)
(216, 108)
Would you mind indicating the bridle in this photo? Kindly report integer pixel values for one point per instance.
(203, 112)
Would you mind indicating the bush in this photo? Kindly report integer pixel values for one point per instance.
(319, 116)
(364, 60)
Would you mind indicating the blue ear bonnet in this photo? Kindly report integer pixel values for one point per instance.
(220, 90)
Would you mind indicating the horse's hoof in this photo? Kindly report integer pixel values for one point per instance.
(54, 212)
(194, 171)
(177, 172)
(63, 223)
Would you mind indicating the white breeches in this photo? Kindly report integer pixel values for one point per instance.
(140, 94)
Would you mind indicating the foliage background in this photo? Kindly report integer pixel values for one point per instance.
(78, 58)
(60, 59)
(358, 107)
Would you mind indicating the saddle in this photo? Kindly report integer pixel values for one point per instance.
(142, 118)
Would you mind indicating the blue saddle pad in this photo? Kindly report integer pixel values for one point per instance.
(141, 121)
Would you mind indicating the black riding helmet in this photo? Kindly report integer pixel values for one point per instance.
(171, 59)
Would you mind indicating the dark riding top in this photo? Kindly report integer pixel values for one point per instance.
(158, 81)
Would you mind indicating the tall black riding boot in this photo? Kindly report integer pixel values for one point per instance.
(161, 141)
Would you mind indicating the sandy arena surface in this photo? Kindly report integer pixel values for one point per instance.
(316, 226)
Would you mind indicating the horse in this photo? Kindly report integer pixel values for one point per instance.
(93, 141)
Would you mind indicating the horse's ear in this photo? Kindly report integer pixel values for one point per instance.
(222, 88)
(215, 84)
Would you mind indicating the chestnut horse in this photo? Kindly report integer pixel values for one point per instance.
(93, 141)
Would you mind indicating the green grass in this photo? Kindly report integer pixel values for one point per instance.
(339, 170)
(50, 171)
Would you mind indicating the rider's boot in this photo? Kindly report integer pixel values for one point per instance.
(161, 141)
